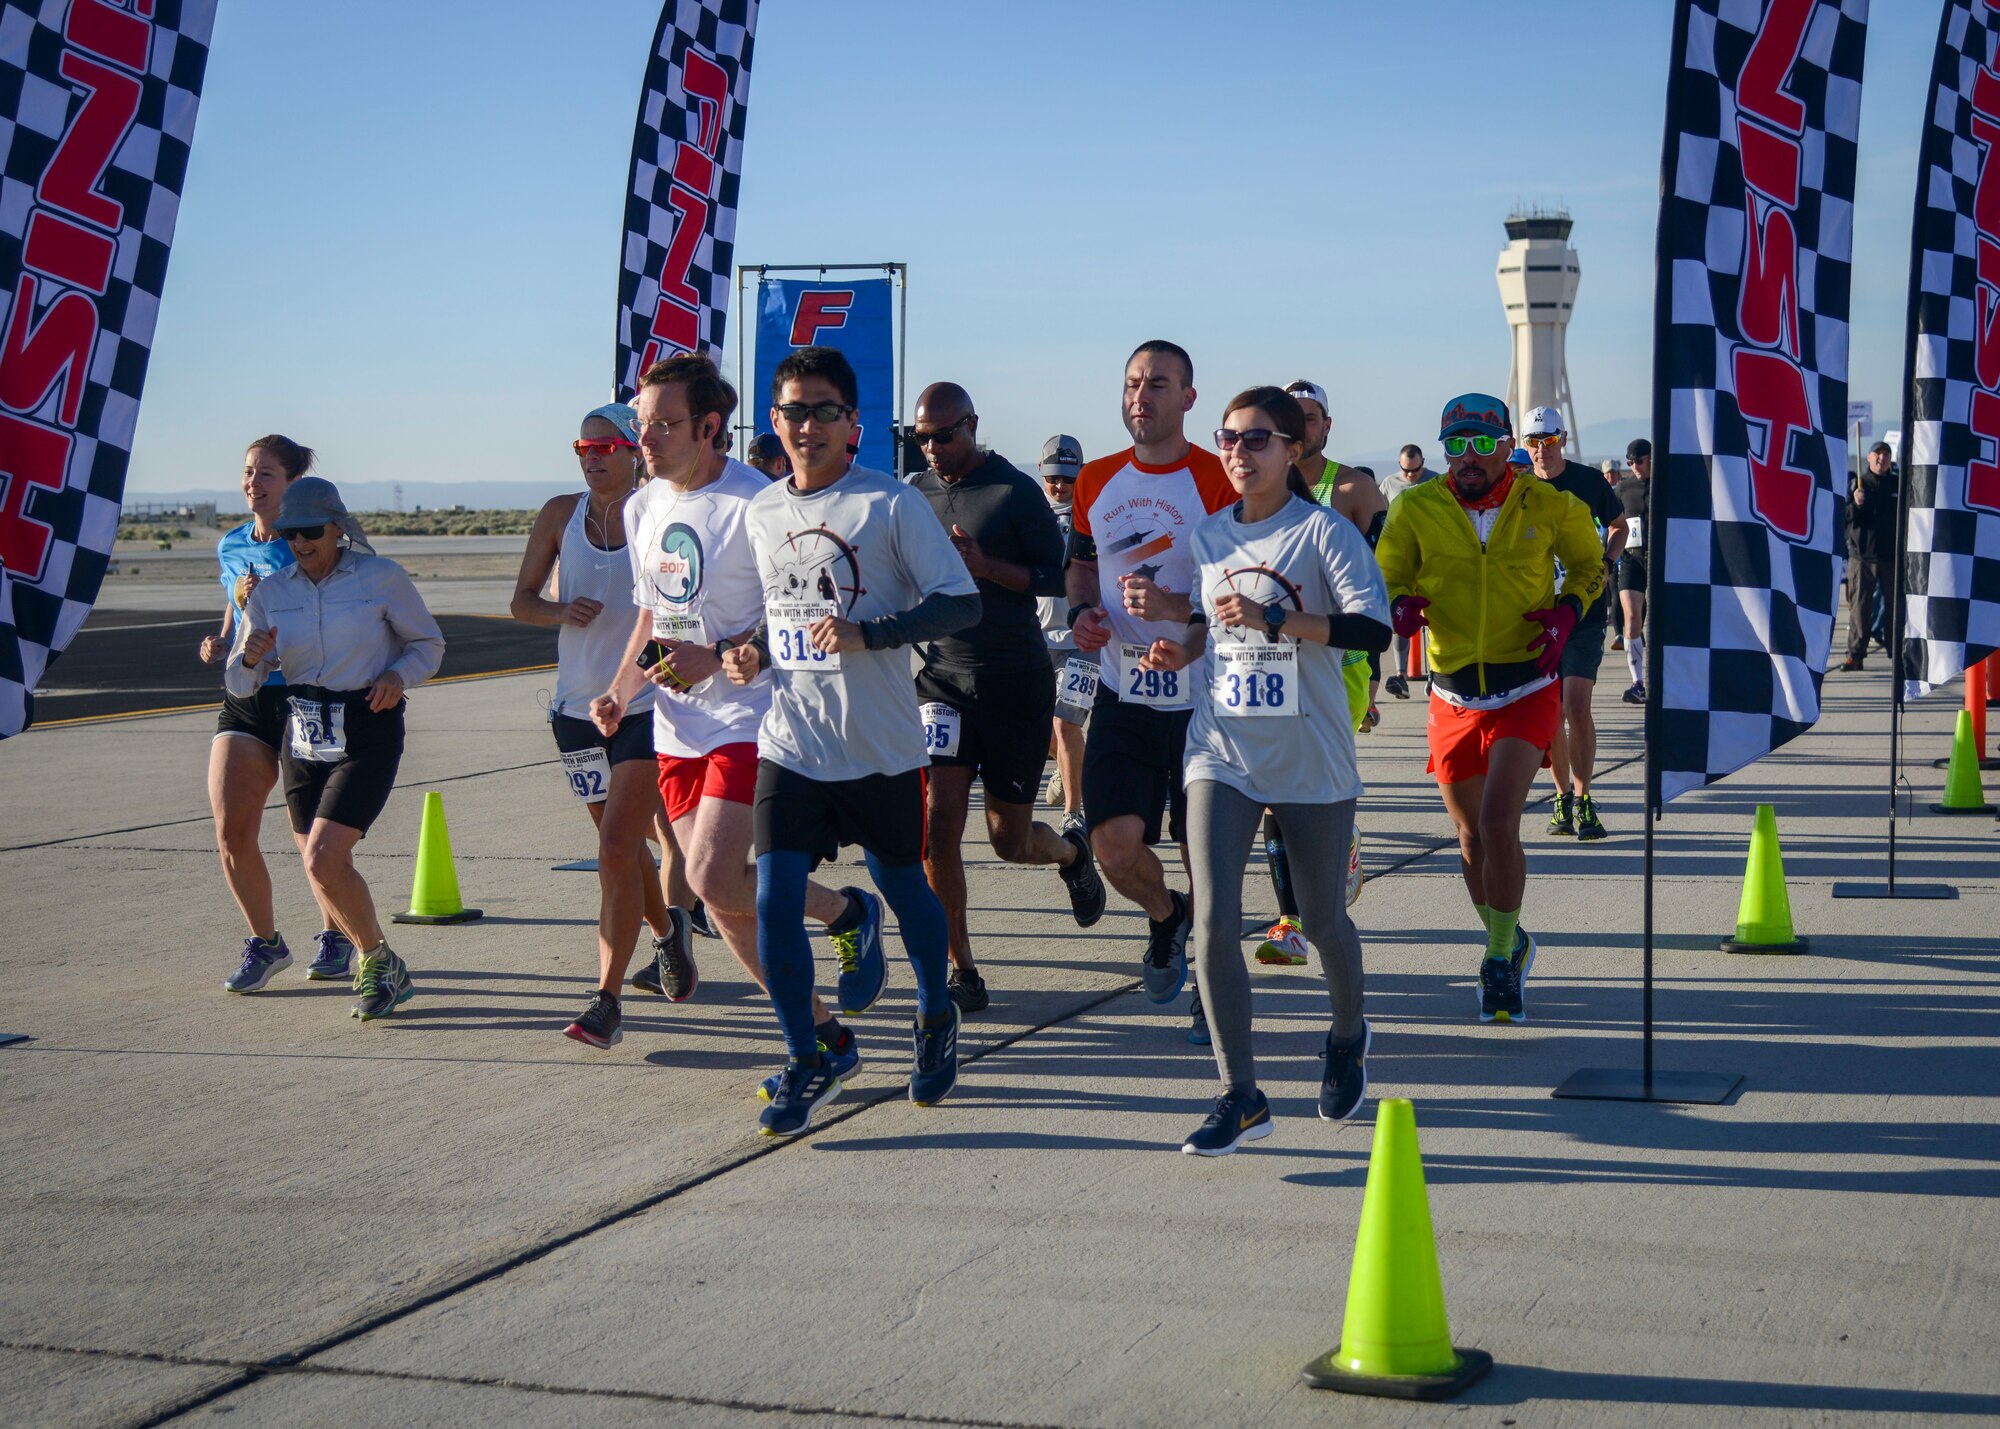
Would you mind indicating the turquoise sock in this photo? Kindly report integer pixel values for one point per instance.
(1500, 932)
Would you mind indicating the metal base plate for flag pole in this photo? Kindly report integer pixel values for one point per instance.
(1901, 890)
(582, 865)
(8, 1039)
(1617, 1084)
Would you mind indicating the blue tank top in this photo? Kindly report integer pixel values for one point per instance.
(237, 553)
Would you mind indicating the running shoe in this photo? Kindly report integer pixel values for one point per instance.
(845, 1060)
(1073, 821)
(333, 960)
(1851, 664)
(647, 978)
(1344, 1083)
(1356, 879)
(1054, 797)
(800, 1091)
(1197, 1020)
(1370, 720)
(935, 1071)
(1238, 1117)
(1086, 887)
(1562, 821)
(1524, 955)
(1165, 966)
(261, 962)
(1284, 943)
(1588, 826)
(863, 970)
(699, 919)
(673, 956)
(1635, 694)
(381, 985)
(1398, 686)
(968, 991)
(598, 1027)
(1500, 991)
(1617, 642)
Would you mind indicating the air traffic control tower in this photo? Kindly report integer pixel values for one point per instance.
(1538, 273)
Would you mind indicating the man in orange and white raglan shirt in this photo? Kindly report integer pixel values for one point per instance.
(1130, 573)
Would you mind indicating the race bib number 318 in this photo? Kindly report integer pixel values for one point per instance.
(1256, 680)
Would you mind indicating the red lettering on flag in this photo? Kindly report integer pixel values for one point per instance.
(1760, 87)
(31, 455)
(1982, 477)
(1771, 393)
(820, 308)
(1767, 305)
(70, 181)
(37, 355)
(64, 250)
(109, 32)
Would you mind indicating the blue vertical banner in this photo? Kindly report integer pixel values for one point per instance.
(852, 316)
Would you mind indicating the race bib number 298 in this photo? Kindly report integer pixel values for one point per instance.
(1148, 687)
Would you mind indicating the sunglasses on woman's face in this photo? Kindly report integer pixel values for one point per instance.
(306, 533)
(1481, 445)
(582, 448)
(1256, 439)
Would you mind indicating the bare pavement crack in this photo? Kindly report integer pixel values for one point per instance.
(294, 1361)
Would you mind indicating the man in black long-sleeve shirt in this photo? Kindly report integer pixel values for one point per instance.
(1871, 546)
(988, 690)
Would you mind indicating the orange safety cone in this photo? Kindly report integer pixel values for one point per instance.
(1979, 681)
(1764, 916)
(1394, 1339)
(434, 891)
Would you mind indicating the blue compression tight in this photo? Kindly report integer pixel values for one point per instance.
(786, 954)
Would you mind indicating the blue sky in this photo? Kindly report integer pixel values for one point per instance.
(400, 235)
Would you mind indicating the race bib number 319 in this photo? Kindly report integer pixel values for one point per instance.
(790, 624)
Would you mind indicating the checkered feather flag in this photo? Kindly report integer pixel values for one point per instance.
(1750, 376)
(97, 110)
(680, 206)
(1951, 453)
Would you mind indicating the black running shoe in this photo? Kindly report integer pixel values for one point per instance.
(1588, 826)
(968, 990)
(1238, 1117)
(673, 956)
(598, 1027)
(1164, 969)
(1563, 821)
(1398, 686)
(1500, 991)
(647, 977)
(1197, 1020)
(1344, 1083)
(1636, 694)
(1086, 887)
(698, 917)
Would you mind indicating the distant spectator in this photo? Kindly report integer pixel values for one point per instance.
(767, 454)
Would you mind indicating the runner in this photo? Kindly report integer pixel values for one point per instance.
(582, 536)
(1062, 460)
(243, 755)
(1472, 557)
(1634, 492)
(1410, 471)
(1284, 586)
(1134, 515)
(1352, 491)
(1573, 759)
(351, 635)
(693, 578)
(987, 693)
(767, 455)
(854, 568)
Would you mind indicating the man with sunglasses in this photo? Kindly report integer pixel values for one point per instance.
(1130, 534)
(987, 692)
(1574, 755)
(1471, 560)
(854, 568)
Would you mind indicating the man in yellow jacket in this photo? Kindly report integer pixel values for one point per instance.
(1472, 558)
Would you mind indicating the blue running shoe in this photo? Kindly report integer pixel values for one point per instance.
(333, 960)
(1500, 991)
(863, 970)
(799, 1093)
(381, 985)
(845, 1061)
(261, 962)
(1198, 1026)
(1164, 969)
(935, 1071)
(1238, 1117)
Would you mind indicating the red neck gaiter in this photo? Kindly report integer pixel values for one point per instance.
(1490, 500)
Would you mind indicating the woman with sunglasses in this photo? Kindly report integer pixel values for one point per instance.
(1283, 587)
(243, 755)
(351, 635)
(581, 537)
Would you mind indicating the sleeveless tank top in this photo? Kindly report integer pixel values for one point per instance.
(587, 658)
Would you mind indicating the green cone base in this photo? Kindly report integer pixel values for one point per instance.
(463, 915)
(1797, 945)
(1326, 1373)
(1962, 809)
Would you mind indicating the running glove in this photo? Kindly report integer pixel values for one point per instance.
(1557, 622)
(1406, 616)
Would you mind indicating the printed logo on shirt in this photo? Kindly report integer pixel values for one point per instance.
(680, 567)
(816, 564)
(1261, 586)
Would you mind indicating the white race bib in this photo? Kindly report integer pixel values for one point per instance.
(589, 774)
(1635, 532)
(318, 730)
(1158, 689)
(788, 623)
(678, 628)
(1076, 688)
(1256, 679)
(941, 729)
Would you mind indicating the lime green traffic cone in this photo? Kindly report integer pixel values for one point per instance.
(1963, 793)
(434, 891)
(1764, 917)
(1394, 1339)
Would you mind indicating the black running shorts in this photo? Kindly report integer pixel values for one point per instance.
(882, 813)
(353, 787)
(260, 715)
(1585, 650)
(1004, 724)
(1132, 761)
(1632, 571)
(634, 739)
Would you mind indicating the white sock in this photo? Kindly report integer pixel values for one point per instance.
(1635, 658)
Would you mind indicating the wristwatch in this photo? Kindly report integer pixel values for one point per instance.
(1274, 619)
(723, 647)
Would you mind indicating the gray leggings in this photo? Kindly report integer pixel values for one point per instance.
(1222, 823)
